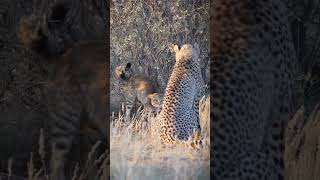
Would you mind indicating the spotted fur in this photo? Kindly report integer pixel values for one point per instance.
(254, 92)
(179, 117)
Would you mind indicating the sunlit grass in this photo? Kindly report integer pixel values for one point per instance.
(136, 152)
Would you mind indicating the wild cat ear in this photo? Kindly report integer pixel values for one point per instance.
(150, 96)
(176, 48)
(118, 72)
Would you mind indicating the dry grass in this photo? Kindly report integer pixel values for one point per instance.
(137, 154)
(102, 173)
(302, 156)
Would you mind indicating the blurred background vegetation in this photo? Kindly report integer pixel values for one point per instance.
(143, 32)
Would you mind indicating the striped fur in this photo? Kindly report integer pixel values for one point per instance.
(77, 95)
(138, 89)
(77, 101)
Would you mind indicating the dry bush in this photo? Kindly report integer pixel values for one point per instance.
(137, 154)
(302, 156)
(143, 32)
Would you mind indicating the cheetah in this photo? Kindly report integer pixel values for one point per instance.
(253, 86)
(137, 89)
(76, 94)
(179, 117)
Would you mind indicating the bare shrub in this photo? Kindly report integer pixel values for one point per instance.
(302, 156)
(143, 32)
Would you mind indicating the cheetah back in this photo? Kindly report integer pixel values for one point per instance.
(179, 115)
(253, 87)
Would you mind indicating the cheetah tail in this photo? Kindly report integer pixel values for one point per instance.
(195, 143)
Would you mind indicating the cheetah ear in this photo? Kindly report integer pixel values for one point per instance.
(128, 66)
(176, 48)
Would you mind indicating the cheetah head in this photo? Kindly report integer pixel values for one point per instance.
(187, 52)
(123, 72)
